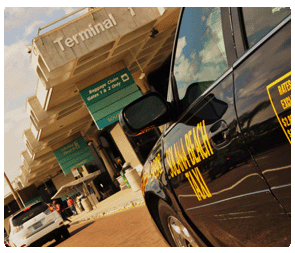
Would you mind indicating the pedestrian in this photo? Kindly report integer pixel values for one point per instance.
(71, 205)
(90, 189)
(59, 210)
(78, 200)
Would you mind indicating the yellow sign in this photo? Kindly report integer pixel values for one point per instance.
(279, 93)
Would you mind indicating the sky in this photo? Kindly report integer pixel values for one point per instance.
(20, 79)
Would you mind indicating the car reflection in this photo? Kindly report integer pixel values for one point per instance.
(226, 163)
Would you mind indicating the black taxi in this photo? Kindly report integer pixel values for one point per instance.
(220, 174)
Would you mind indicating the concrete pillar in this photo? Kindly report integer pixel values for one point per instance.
(103, 154)
(95, 190)
(142, 82)
(124, 145)
(107, 161)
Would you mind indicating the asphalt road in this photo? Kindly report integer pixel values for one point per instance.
(130, 228)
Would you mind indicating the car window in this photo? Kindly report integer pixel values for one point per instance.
(259, 21)
(29, 213)
(200, 56)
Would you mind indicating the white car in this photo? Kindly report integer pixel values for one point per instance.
(36, 225)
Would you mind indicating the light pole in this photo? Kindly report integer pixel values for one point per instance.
(13, 192)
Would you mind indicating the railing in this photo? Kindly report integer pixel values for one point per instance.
(60, 19)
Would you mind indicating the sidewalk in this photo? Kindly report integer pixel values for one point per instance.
(119, 201)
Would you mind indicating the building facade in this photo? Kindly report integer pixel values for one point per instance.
(88, 70)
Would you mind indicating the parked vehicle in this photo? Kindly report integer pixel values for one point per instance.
(220, 174)
(35, 225)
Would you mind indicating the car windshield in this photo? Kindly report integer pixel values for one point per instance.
(29, 213)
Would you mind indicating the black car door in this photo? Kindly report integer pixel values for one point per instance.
(263, 93)
(209, 166)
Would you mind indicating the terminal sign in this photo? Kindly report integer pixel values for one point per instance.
(73, 155)
(106, 98)
(92, 30)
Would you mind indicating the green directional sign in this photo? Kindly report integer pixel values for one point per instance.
(73, 155)
(106, 98)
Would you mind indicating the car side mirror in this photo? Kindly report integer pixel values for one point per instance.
(144, 114)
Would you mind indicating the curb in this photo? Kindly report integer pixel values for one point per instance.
(106, 213)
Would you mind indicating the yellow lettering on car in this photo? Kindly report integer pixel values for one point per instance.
(285, 87)
(178, 160)
(197, 183)
(156, 166)
(153, 172)
(194, 185)
(286, 102)
(183, 155)
(190, 148)
(143, 181)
